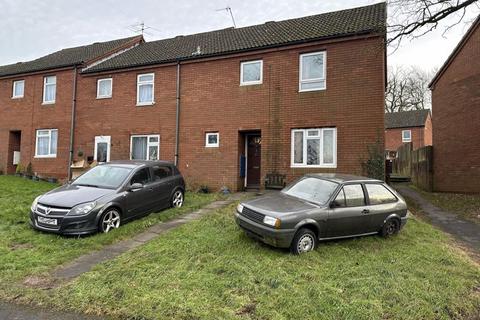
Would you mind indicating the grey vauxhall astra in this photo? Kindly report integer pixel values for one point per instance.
(320, 207)
(108, 195)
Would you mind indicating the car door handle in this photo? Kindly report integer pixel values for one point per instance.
(365, 211)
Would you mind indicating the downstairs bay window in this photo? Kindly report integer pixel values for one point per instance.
(314, 148)
(144, 147)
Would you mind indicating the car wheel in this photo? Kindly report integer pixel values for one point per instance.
(390, 228)
(110, 220)
(303, 241)
(177, 199)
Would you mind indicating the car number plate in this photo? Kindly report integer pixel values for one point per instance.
(49, 221)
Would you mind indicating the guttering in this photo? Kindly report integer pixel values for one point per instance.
(72, 121)
(177, 119)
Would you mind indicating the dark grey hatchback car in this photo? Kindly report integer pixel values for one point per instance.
(320, 207)
(108, 195)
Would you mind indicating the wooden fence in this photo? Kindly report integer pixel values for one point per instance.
(416, 164)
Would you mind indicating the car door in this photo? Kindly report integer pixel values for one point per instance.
(381, 202)
(348, 215)
(162, 185)
(142, 200)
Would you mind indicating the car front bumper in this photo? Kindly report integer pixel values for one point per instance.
(67, 225)
(280, 238)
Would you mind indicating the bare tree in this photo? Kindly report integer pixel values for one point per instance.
(407, 89)
(414, 18)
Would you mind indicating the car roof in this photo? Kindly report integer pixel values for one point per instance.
(137, 163)
(342, 178)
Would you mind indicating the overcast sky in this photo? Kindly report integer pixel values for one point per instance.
(32, 28)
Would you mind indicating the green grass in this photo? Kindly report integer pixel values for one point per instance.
(26, 252)
(464, 205)
(208, 269)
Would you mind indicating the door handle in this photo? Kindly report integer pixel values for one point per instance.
(365, 211)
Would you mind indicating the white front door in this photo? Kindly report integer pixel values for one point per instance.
(102, 149)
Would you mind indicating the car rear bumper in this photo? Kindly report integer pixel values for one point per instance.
(66, 225)
(280, 238)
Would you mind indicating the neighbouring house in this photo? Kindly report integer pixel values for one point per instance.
(407, 126)
(237, 107)
(456, 129)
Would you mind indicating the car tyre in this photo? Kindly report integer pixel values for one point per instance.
(110, 220)
(390, 228)
(177, 199)
(304, 240)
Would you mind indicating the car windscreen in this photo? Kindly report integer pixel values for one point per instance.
(312, 189)
(103, 176)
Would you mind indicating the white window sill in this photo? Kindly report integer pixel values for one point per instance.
(310, 90)
(47, 103)
(145, 104)
(105, 97)
(404, 141)
(304, 166)
(244, 84)
(19, 97)
(45, 157)
(212, 146)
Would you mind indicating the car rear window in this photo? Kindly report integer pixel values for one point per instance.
(351, 195)
(378, 194)
(161, 172)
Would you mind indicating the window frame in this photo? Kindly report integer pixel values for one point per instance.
(305, 138)
(49, 155)
(212, 145)
(140, 83)
(367, 194)
(403, 136)
(98, 88)
(302, 81)
(364, 190)
(45, 84)
(149, 144)
(15, 82)
(254, 82)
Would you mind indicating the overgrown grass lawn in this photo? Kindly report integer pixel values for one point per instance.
(24, 251)
(208, 269)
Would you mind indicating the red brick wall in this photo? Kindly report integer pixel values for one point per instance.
(456, 128)
(393, 138)
(28, 114)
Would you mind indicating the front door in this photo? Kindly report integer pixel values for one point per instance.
(254, 159)
(102, 149)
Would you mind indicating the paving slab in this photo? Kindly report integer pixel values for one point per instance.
(20, 312)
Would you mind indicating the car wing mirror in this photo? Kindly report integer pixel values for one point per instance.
(135, 187)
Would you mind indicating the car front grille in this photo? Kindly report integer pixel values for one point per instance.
(252, 215)
(51, 211)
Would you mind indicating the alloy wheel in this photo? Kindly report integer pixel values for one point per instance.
(305, 243)
(111, 220)
(390, 228)
(177, 199)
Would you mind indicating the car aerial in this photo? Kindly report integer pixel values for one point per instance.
(108, 195)
(320, 207)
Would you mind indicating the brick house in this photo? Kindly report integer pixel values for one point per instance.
(456, 129)
(407, 126)
(231, 106)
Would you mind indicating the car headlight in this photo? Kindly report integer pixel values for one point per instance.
(81, 209)
(271, 221)
(34, 204)
(240, 208)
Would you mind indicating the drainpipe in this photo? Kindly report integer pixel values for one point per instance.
(72, 123)
(177, 120)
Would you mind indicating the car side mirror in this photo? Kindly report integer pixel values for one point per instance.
(135, 187)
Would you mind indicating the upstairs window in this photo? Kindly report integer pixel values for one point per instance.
(104, 88)
(144, 147)
(46, 143)
(212, 140)
(251, 72)
(18, 89)
(314, 148)
(49, 89)
(406, 135)
(145, 89)
(312, 71)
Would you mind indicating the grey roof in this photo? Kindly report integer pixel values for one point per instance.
(65, 57)
(361, 20)
(405, 119)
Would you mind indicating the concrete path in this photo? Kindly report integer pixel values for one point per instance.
(20, 312)
(465, 231)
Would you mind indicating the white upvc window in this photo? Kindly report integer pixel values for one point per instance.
(145, 147)
(145, 89)
(104, 88)
(18, 89)
(251, 72)
(46, 143)
(313, 71)
(406, 135)
(49, 89)
(212, 139)
(314, 148)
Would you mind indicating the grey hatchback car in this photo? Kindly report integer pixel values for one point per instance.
(108, 195)
(321, 207)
